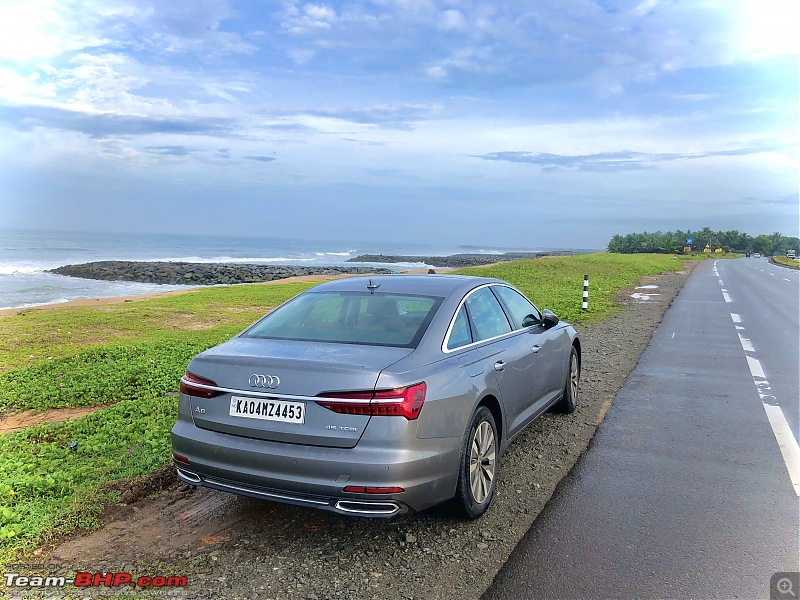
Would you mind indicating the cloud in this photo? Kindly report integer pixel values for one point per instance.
(286, 127)
(364, 142)
(264, 159)
(452, 20)
(168, 150)
(308, 18)
(178, 27)
(26, 118)
(785, 200)
(624, 160)
(400, 116)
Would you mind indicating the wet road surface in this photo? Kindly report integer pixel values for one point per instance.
(690, 486)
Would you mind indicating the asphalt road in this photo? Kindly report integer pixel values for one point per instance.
(685, 491)
(769, 294)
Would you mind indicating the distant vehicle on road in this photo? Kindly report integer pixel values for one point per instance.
(791, 254)
(756, 255)
(375, 396)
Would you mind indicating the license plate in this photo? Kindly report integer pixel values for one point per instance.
(268, 409)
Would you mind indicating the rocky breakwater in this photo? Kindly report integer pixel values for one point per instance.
(455, 260)
(186, 273)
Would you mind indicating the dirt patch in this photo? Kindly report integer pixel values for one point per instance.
(243, 548)
(29, 418)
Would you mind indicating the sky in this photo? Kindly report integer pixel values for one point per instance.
(521, 123)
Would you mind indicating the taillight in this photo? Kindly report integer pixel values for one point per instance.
(180, 458)
(190, 385)
(360, 489)
(406, 402)
(399, 402)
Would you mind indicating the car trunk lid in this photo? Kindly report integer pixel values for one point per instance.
(257, 377)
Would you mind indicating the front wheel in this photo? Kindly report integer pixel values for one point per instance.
(479, 462)
(570, 395)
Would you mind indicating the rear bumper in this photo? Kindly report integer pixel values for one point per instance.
(316, 476)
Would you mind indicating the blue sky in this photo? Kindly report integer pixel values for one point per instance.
(519, 123)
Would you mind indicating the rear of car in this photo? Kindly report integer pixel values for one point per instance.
(312, 406)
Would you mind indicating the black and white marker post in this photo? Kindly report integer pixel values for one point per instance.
(585, 292)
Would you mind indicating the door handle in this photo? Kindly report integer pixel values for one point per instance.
(536, 348)
(499, 365)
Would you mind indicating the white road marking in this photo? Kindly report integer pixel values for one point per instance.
(736, 318)
(786, 442)
(773, 274)
(720, 282)
(673, 335)
(786, 279)
(755, 368)
(727, 298)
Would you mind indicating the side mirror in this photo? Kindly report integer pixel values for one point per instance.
(549, 318)
(530, 321)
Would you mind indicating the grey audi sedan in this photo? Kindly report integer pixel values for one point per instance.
(375, 396)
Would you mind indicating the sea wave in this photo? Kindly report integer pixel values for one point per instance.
(20, 270)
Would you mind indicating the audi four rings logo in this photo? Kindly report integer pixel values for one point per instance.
(264, 381)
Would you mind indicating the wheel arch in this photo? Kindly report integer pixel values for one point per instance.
(493, 405)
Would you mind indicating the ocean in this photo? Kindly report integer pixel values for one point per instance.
(25, 256)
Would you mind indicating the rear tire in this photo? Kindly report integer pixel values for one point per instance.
(480, 458)
(568, 399)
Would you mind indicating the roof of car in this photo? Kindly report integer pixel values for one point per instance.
(438, 285)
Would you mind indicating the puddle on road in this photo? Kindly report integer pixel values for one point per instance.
(645, 296)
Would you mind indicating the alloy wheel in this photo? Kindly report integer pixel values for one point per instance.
(574, 376)
(482, 462)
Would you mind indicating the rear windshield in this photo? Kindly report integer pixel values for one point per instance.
(350, 318)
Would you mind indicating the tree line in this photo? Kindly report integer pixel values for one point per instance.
(668, 242)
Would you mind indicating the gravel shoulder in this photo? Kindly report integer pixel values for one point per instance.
(236, 547)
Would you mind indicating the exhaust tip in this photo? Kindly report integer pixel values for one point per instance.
(356, 507)
(189, 477)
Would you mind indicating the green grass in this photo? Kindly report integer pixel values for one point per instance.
(557, 282)
(48, 490)
(786, 261)
(710, 255)
(129, 356)
(35, 335)
(110, 373)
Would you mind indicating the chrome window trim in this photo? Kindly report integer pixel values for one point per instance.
(272, 395)
(446, 350)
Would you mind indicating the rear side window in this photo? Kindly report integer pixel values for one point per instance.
(350, 318)
(488, 318)
(518, 305)
(460, 335)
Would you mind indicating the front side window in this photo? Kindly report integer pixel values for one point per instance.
(350, 318)
(518, 306)
(486, 314)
